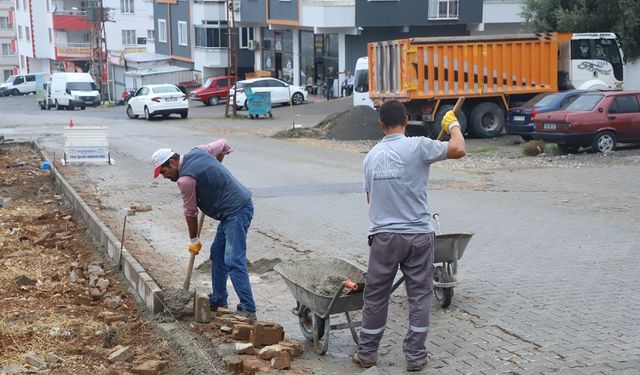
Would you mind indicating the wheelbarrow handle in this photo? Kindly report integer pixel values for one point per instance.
(436, 218)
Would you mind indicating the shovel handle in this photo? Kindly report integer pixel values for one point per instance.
(187, 280)
(456, 111)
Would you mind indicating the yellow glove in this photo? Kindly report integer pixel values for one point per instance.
(194, 246)
(449, 121)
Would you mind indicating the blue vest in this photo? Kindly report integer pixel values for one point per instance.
(218, 193)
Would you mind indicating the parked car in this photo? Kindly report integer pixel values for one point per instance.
(153, 100)
(520, 119)
(598, 120)
(22, 84)
(281, 92)
(214, 90)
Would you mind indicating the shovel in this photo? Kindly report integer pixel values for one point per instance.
(187, 280)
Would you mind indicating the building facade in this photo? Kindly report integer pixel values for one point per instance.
(8, 41)
(55, 35)
(172, 20)
(130, 30)
(298, 40)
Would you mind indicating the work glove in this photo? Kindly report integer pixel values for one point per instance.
(449, 121)
(194, 246)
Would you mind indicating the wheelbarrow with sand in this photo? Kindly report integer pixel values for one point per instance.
(327, 286)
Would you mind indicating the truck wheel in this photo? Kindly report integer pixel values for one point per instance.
(15, 92)
(214, 100)
(434, 128)
(487, 120)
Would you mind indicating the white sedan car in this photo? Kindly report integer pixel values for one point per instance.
(154, 100)
(281, 92)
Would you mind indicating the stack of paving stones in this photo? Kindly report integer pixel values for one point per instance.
(257, 347)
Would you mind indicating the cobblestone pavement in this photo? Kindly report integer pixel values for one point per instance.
(548, 283)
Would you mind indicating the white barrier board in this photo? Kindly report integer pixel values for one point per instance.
(86, 144)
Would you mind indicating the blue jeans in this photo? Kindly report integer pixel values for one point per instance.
(229, 259)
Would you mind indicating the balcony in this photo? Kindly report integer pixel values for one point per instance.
(71, 20)
(328, 13)
(73, 51)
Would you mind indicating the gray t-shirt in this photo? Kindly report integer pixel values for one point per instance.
(396, 173)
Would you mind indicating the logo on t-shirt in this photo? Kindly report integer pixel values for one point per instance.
(387, 165)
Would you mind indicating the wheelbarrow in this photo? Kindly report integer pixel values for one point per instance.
(314, 306)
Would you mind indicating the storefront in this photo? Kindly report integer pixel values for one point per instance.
(316, 53)
(277, 53)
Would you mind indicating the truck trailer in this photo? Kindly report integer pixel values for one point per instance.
(493, 73)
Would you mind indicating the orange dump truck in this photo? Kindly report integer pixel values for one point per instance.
(491, 72)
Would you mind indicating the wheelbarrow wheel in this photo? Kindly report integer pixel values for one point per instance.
(306, 323)
(443, 295)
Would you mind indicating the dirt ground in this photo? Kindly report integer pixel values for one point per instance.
(61, 305)
(65, 310)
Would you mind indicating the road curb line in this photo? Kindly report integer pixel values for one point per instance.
(147, 291)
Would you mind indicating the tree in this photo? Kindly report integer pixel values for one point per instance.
(580, 16)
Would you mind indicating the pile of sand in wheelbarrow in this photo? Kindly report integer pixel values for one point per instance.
(357, 123)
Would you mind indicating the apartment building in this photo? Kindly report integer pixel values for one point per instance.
(54, 35)
(8, 42)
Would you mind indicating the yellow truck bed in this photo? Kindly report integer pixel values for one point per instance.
(448, 67)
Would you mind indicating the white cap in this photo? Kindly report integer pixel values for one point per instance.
(160, 157)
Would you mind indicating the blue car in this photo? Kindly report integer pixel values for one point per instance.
(520, 119)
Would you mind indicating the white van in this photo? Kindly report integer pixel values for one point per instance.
(70, 90)
(361, 83)
(22, 84)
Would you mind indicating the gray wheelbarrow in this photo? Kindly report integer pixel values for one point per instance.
(320, 288)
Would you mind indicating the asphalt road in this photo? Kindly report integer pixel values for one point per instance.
(549, 281)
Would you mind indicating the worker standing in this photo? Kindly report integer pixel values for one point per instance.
(396, 174)
(207, 185)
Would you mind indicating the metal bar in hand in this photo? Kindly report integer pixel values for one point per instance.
(456, 110)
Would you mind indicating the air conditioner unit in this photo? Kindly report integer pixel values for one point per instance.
(253, 45)
(236, 5)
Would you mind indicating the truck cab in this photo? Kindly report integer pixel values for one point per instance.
(361, 83)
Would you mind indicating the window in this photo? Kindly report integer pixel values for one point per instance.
(150, 36)
(162, 30)
(27, 33)
(50, 35)
(274, 83)
(126, 7)
(30, 78)
(212, 34)
(182, 33)
(4, 23)
(129, 37)
(6, 49)
(246, 34)
(625, 104)
(142, 40)
(19, 31)
(19, 79)
(443, 9)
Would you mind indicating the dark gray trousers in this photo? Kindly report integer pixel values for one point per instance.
(414, 254)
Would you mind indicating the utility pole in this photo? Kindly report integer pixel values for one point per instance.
(232, 55)
(98, 15)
